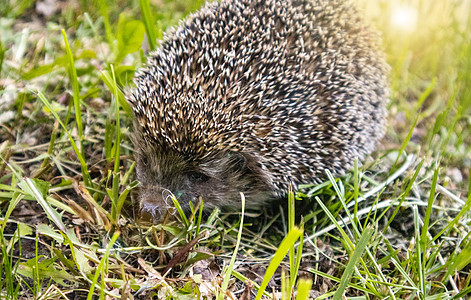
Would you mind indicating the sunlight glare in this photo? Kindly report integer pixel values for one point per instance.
(404, 18)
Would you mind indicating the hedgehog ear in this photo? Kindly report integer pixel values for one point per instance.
(238, 160)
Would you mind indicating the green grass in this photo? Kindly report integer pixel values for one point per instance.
(396, 227)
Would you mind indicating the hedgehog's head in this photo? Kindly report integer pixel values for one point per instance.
(217, 179)
(191, 144)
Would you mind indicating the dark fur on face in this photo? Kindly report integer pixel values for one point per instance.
(218, 179)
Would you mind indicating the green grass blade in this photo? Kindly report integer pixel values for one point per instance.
(417, 255)
(83, 164)
(102, 265)
(200, 217)
(115, 211)
(464, 293)
(356, 189)
(299, 251)
(341, 197)
(353, 261)
(405, 142)
(404, 195)
(345, 237)
(149, 23)
(2, 55)
(284, 247)
(292, 259)
(228, 272)
(31, 188)
(428, 212)
(180, 211)
(304, 286)
(16, 198)
(103, 8)
(425, 95)
(75, 89)
(111, 84)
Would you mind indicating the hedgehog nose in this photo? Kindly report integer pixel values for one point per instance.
(152, 205)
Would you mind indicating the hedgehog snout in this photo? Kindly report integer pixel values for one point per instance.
(154, 203)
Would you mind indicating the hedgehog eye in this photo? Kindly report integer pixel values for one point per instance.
(145, 161)
(198, 177)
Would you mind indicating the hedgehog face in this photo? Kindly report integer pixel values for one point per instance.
(218, 180)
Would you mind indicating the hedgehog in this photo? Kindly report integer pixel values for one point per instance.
(256, 97)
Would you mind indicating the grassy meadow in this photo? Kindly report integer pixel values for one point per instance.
(396, 227)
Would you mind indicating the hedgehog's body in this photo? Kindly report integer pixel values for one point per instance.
(254, 95)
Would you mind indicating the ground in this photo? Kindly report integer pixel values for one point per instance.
(396, 227)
